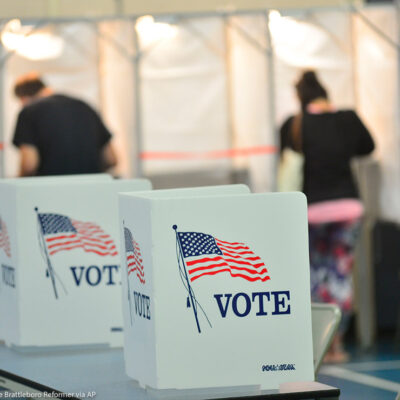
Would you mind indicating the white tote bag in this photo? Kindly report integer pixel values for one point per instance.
(291, 164)
(290, 171)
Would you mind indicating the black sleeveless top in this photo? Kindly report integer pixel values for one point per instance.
(329, 142)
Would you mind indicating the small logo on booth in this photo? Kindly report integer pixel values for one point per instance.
(4, 238)
(61, 233)
(201, 255)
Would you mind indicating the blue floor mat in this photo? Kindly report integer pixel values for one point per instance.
(382, 361)
(355, 391)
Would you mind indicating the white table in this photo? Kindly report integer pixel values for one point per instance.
(102, 371)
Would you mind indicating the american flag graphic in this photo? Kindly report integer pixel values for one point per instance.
(4, 239)
(62, 233)
(205, 255)
(134, 261)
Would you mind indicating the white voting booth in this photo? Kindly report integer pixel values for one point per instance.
(215, 290)
(5, 244)
(60, 278)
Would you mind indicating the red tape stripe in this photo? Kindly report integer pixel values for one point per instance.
(230, 153)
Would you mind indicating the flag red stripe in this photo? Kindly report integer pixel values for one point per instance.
(243, 258)
(92, 229)
(229, 243)
(65, 248)
(135, 262)
(139, 274)
(90, 232)
(138, 271)
(203, 260)
(86, 226)
(52, 239)
(234, 247)
(94, 239)
(4, 239)
(132, 257)
(83, 238)
(59, 238)
(207, 267)
(100, 246)
(85, 249)
(114, 253)
(63, 243)
(237, 250)
(250, 279)
(141, 279)
(81, 241)
(230, 252)
(130, 265)
(130, 269)
(82, 223)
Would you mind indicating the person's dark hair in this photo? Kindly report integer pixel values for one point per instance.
(28, 86)
(309, 88)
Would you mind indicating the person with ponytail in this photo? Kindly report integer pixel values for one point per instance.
(328, 139)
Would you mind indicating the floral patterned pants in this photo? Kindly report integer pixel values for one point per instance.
(331, 260)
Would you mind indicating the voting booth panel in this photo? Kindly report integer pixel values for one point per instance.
(8, 254)
(61, 285)
(8, 259)
(216, 289)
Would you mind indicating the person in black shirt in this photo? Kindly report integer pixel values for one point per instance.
(58, 134)
(329, 139)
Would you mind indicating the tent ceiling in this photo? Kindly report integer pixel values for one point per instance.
(60, 9)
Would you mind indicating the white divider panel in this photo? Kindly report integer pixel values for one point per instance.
(60, 262)
(216, 289)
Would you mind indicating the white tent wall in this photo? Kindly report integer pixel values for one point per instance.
(75, 72)
(377, 72)
(184, 97)
(250, 97)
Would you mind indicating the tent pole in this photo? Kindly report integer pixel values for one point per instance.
(229, 96)
(271, 101)
(136, 162)
(100, 104)
(363, 269)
